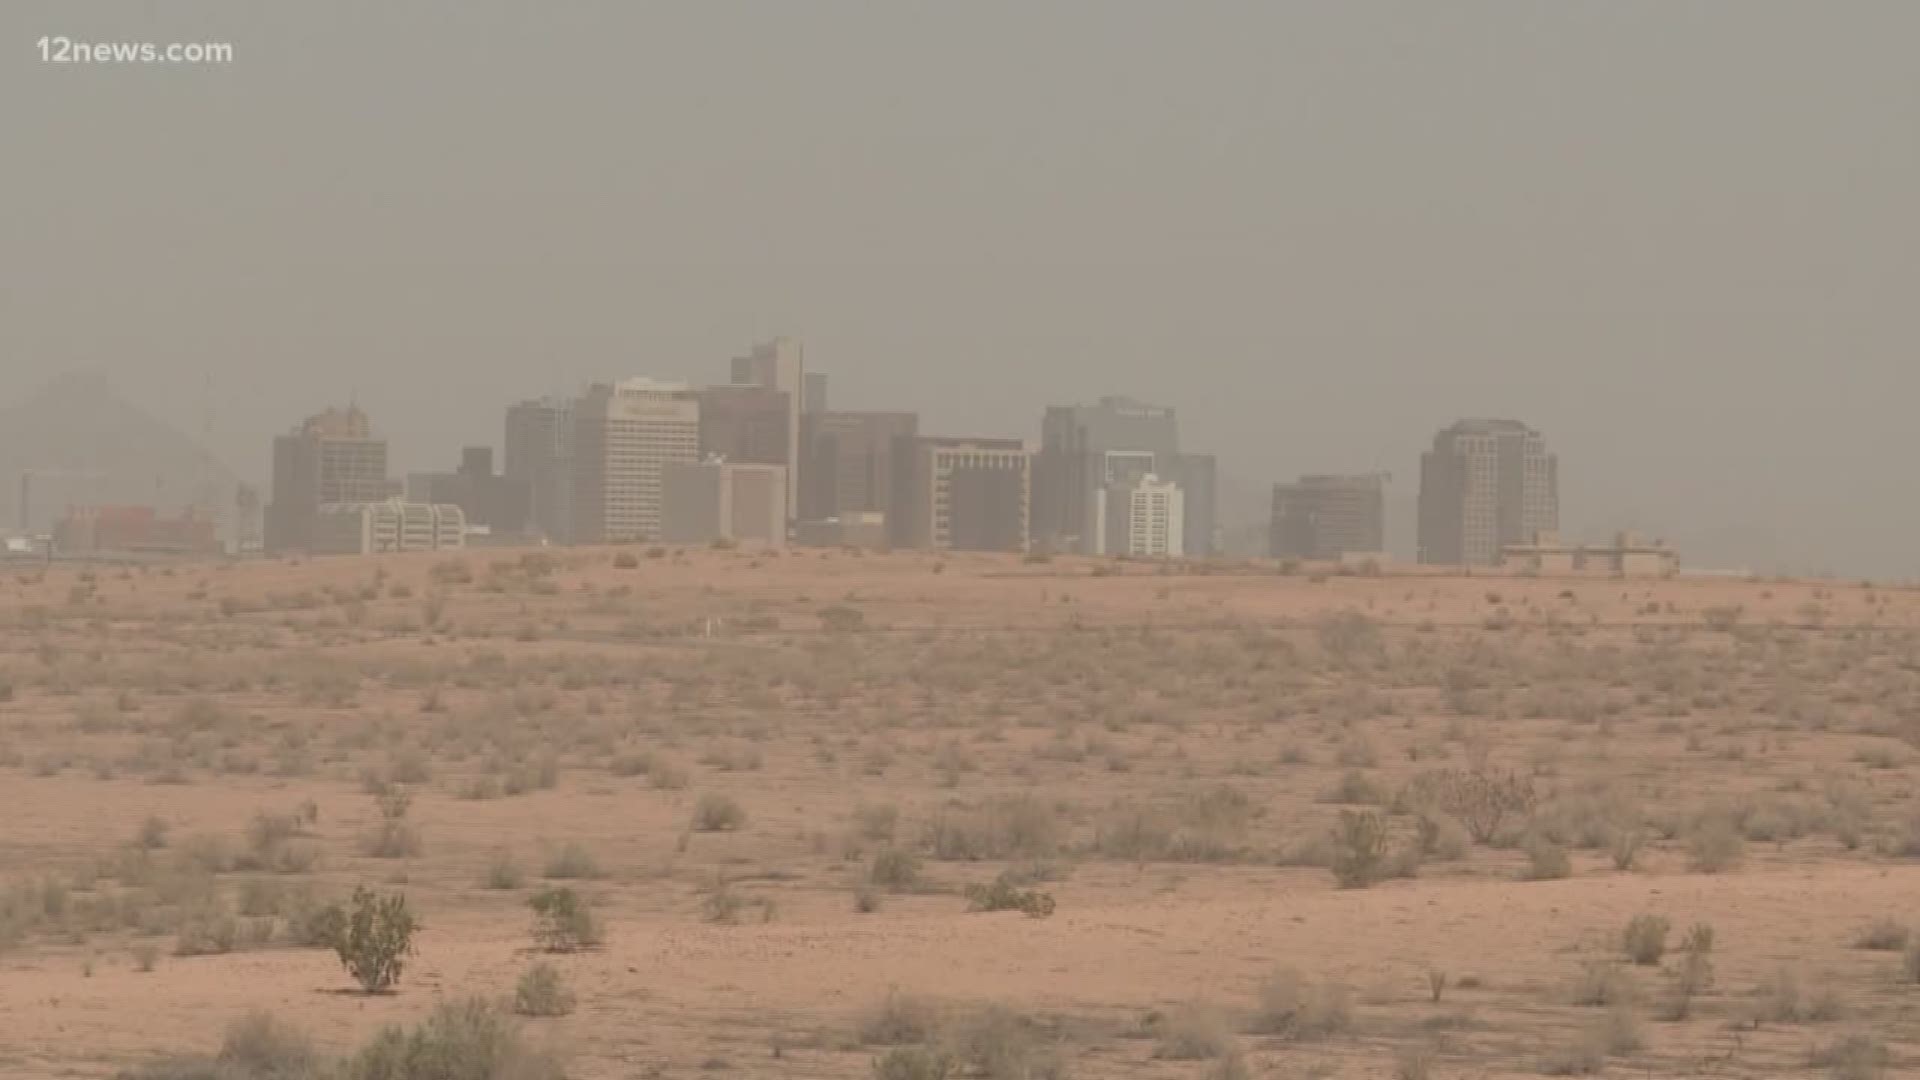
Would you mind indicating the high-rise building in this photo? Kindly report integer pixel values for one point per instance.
(1143, 516)
(962, 494)
(1326, 517)
(539, 466)
(745, 424)
(624, 434)
(713, 500)
(780, 365)
(1085, 448)
(486, 498)
(331, 457)
(1484, 485)
(849, 462)
(813, 398)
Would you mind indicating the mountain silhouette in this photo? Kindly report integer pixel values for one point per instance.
(82, 443)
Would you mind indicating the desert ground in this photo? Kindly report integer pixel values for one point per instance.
(1263, 821)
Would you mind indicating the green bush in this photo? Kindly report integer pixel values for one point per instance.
(377, 939)
(895, 870)
(913, 1063)
(572, 861)
(717, 813)
(1003, 895)
(1645, 939)
(460, 1040)
(1294, 1007)
(541, 992)
(563, 921)
(1359, 849)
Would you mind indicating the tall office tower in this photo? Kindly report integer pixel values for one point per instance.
(813, 396)
(959, 494)
(849, 462)
(1143, 516)
(625, 433)
(1326, 517)
(746, 424)
(1198, 477)
(1085, 448)
(539, 466)
(331, 457)
(1485, 484)
(780, 365)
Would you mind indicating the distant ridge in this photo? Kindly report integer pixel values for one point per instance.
(88, 444)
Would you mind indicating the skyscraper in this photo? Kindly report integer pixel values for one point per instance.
(625, 433)
(746, 424)
(849, 462)
(1143, 516)
(331, 457)
(1084, 448)
(539, 465)
(1325, 517)
(780, 365)
(1485, 484)
(962, 494)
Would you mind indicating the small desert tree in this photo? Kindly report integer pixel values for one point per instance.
(375, 939)
(1480, 800)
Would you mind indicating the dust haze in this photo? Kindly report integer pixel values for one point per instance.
(1678, 239)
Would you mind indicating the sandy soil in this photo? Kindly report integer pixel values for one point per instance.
(204, 696)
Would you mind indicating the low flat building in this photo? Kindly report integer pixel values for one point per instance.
(88, 530)
(391, 526)
(739, 502)
(1628, 555)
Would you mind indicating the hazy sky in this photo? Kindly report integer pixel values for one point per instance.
(1683, 239)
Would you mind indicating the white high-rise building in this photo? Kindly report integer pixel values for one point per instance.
(1144, 517)
(625, 433)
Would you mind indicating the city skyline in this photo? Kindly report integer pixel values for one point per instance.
(1316, 230)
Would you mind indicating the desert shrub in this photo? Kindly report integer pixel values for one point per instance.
(377, 939)
(1714, 844)
(503, 872)
(1002, 894)
(725, 906)
(541, 992)
(900, 1019)
(259, 1047)
(1356, 788)
(877, 821)
(1858, 1056)
(1910, 962)
(1192, 1033)
(867, 899)
(895, 870)
(394, 837)
(999, 1044)
(145, 956)
(842, 619)
(1359, 849)
(1480, 800)
(563, 921)
(1694, 975)
(626, 560)
(913, 1063)
(1624, 845)
(1436, 984)
(1645, 939)
(461, 1040)
(717, 813)
(1779, 1000)
(1883, 935)
(1584, 1055)
(152, 835)
(1546, 860)
(572, 861)
(208, 932)
(1019, 827)
(1294, 1007)
(1601, 984)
